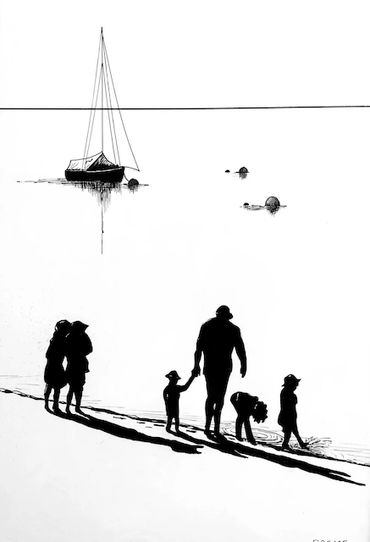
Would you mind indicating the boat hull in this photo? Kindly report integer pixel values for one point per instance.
(113, 175)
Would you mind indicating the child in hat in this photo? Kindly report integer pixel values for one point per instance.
(247, 405)
(288, 412)
(171, 395)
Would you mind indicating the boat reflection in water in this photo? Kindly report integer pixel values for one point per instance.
(103, 191)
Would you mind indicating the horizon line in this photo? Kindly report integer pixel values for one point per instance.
(180, 108)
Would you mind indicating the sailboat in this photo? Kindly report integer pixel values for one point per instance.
(97, 167)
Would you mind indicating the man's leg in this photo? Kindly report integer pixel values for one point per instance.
(209, 413)
(220, 386)
(210, 403)
(217, 415)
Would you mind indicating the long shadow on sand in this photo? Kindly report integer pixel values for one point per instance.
(130, 434)
(223, 445)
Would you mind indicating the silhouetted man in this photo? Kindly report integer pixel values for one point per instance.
(217, 339)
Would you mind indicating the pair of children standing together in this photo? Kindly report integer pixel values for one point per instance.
(245, 406)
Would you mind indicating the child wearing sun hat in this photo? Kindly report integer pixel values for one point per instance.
(288, 411)
(171, 396)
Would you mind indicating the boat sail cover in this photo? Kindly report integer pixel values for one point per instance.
(91, 163)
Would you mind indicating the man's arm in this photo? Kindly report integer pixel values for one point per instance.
(198, 353)
(240, 351)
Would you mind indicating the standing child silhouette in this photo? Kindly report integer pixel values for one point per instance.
(171, 396)
(288, 411)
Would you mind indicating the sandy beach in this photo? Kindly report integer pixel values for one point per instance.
(105, 476)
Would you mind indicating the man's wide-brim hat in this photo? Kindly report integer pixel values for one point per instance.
(224, 311)
(173, 375)
(291, 378)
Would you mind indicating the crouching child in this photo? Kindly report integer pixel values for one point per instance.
(246, 406)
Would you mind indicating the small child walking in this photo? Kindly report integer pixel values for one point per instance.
(171, 396)
(288, 411)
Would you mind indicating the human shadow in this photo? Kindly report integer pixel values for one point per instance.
(129, 433)
(222, 444)
(216, 445)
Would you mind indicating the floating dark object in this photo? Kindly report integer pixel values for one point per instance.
(227, 171)
(133, 183)
(272, 204)
(243, 172)
(98, 168)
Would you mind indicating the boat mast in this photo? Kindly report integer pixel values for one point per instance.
(102, 89)
(104, 84)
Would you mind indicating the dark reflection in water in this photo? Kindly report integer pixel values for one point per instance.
(100, 189)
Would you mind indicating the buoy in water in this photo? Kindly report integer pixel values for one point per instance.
(243, 172)
(246, 204)
(272, 204)
(133, 183)
(227, 171)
